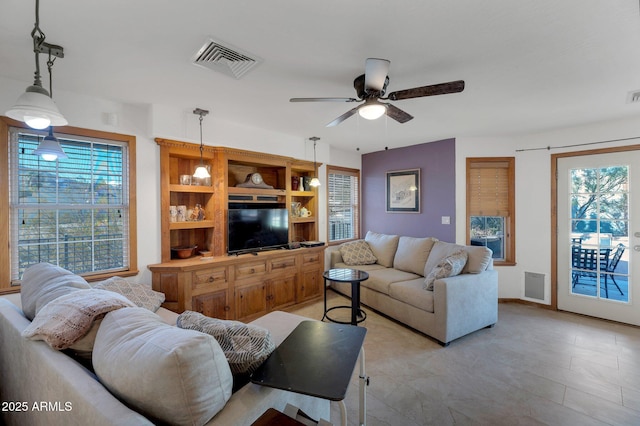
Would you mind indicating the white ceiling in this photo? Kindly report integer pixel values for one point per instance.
(528, 65)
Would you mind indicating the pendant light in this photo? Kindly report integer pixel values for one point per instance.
(35, 106)
(315, 182)
(50, 148)
(201, 171)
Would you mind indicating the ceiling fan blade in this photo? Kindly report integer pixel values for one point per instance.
(375, 74)
(343, 117)
(323, 100)
(434, 89)
(397, 114)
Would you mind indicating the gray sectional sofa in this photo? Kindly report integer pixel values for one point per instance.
(43, 386)
(465, 290)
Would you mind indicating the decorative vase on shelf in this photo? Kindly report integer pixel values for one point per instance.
(295, 209)
(295, 182)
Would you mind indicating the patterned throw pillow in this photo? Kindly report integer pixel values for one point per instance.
(357, 253)
(141, 295)
(448, 267)
(246, 346)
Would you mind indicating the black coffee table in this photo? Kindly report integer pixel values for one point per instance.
(317, 359)
(343, 275)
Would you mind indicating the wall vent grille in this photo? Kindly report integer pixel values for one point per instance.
(633, 97)
(534, 285)
(225, 58)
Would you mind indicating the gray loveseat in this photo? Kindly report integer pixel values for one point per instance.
(43, 386)
(458, 305)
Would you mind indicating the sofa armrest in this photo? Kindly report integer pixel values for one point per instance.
(465, 303)
(335, 257)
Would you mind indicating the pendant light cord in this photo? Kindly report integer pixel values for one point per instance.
(201, 147)
(38, 38)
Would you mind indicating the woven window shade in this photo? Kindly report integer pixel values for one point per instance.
(489, 189)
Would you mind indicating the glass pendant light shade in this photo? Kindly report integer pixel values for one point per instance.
(315, 182)
(201, 172)
(372, 109)
(49, 148)
(37, 109)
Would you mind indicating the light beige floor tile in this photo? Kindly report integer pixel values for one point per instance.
(535, 367)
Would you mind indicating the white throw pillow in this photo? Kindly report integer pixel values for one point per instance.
(171, 375)
(65, 320)
(43, 282)
(141, 295)
(357, 253)
(450, 266)
(383, 247)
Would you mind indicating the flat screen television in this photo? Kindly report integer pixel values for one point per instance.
(255, 227)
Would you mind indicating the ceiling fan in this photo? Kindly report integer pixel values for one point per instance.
(371, 87)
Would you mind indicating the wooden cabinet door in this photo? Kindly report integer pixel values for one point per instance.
(213, 305)
(282, 292)
(251, 301)
(311, 285)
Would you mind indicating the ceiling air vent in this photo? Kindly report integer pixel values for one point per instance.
(225, 58)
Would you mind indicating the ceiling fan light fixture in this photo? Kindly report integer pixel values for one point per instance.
(49, 148)
(372, 110)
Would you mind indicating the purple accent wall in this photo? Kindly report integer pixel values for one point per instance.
(436, 161)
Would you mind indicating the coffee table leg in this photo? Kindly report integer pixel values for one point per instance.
(325, 300)
(355, 302)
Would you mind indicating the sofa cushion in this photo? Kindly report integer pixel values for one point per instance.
(141, 295)
(65, 320)
(412, 293)
(169, 374)
(380, 279)
(412, 254)
(478, 261)
(246, 346)
(357, 253)
(383, 247)
(43, 282)
(450, 266)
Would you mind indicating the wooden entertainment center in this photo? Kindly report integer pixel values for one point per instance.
(244, 286)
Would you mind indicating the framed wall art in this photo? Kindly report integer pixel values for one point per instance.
(403, 191)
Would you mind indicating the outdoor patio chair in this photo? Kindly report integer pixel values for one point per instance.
(610, 269)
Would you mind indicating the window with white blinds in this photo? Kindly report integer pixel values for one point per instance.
(344, 203)
(491, 206)
(73, 212)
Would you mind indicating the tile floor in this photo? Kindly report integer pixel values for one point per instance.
(535, 367)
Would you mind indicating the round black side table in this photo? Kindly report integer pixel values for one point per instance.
(355, 277)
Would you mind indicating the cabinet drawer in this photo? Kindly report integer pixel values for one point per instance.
(248, 270)
(311, 259)
(212, 279)
(283, 263)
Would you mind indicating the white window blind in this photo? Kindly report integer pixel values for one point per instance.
(344, 204)
(72, 212)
